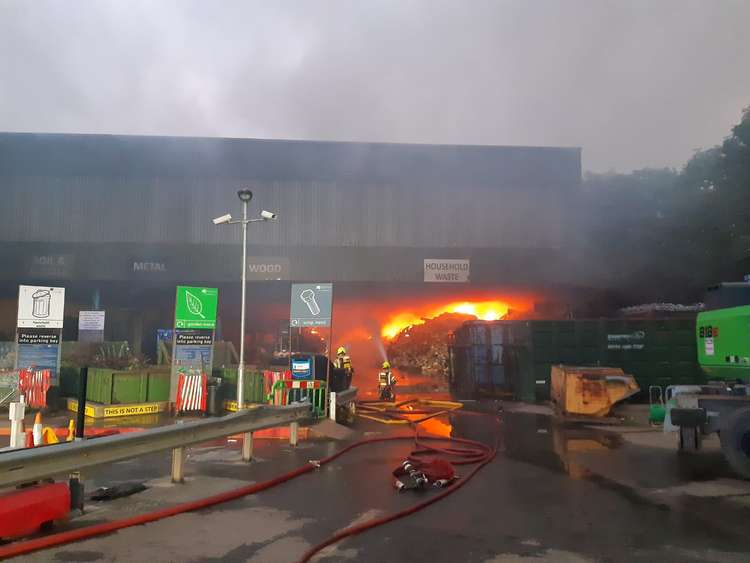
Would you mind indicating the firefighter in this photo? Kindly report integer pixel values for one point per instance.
(386, 383)
(343, 361)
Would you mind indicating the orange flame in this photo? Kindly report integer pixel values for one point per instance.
(484, 310)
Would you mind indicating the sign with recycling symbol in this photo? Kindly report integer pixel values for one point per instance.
(195, 307)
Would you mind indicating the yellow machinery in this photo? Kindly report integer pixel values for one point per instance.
(589, 391)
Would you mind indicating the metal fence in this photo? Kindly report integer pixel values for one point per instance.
(8, 386)
(23, 466)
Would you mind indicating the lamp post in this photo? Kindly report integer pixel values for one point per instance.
(245, 196)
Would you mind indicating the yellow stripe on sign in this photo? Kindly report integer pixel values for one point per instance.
(112, 411)
(88, 411)
(130, 410)
(231, 406)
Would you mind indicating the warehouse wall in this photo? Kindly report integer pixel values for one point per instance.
(96, 188)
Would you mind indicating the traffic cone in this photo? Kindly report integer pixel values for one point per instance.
(71, 430)
(37, 429)
(49, 436)
(29, 439)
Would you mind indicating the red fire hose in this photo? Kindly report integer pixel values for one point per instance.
(478, 453)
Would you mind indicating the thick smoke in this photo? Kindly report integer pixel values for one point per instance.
(635, 83)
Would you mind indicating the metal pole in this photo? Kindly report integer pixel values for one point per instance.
(328, 363)
(81, 418)
(241, 369)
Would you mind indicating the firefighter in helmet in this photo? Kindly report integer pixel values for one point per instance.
(343, 361)
(386, 383)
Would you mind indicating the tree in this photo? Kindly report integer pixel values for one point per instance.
(668, 234)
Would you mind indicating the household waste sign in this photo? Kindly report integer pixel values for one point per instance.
(40, 306)
(195, 307)
(40, 321)
(443, 270)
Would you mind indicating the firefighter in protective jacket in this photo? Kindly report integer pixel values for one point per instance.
(343, 361)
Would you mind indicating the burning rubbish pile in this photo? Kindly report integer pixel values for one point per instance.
(424, 348)
(419, 344)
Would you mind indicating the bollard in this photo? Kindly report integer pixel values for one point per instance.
(178, 465)
(76, 491)
(332, 406)
(37, 430)
(81, 418)
(247, 446)
(15, 414)
(293, 428)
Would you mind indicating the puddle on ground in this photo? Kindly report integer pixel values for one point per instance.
(541, 440)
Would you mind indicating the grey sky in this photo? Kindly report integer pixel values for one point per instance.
(634, 82)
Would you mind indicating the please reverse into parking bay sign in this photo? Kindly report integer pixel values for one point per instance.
(311, 304)
(195, 307)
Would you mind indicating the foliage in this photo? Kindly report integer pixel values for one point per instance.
(114, 355)
(669, 233)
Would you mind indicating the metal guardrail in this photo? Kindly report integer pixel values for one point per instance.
(31, 464)
(346, 398)
(343, 397)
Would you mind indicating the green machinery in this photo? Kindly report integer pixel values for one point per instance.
(723, 406)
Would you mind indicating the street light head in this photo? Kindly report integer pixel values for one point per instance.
(268, 215)
(245, 195)
(223, 219)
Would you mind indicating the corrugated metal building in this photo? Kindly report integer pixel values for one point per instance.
(94, 188)
(90, 211)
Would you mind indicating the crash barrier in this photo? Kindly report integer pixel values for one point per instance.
(191, 392)
(23, 466)
(33, 385)
(8, 386)
(342, 405)
(288, 391)
(461, 452)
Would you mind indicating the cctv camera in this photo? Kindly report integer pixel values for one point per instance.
(267, 215)
(245, 195)
(223, 219)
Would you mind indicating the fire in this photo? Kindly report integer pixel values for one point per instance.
(484, 310)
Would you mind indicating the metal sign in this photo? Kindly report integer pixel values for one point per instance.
(195, 307)
(311, 304)
(91, 320)
(446, 270)
(40, 306)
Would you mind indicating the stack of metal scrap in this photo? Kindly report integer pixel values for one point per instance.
(424, 348)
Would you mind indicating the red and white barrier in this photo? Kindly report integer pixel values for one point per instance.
(191, 393)
(33, 385)
(269, 379)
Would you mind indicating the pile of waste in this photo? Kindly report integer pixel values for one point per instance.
(424, 348)
(652, 308)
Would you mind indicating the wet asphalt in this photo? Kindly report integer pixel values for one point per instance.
(554, 493)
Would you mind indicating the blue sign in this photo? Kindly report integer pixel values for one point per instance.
(302, 368)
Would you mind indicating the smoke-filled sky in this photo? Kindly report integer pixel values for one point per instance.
(634, 82)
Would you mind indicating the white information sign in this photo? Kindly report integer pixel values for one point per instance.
(91, 320)
(40, 306)
(709, 344)
(446, 270)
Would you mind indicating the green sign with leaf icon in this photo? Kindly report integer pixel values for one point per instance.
(195, 307)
